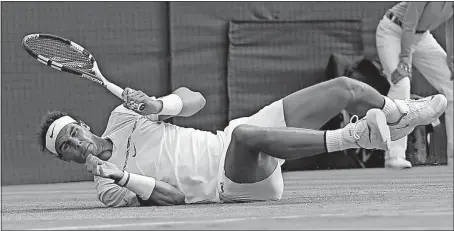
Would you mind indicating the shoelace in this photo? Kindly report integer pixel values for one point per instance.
(355, 124)
(415, 106)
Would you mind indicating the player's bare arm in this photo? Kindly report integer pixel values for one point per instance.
(181, 102)
(192, 102)
(149, 190)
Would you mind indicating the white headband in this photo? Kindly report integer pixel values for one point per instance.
(53, 131)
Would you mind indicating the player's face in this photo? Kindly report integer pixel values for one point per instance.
(74, 143)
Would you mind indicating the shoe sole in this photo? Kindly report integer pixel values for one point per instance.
(377, 120)
(390, 166)
(440, 107)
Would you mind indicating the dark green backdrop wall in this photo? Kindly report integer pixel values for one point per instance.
(153, 46)
(130, 43)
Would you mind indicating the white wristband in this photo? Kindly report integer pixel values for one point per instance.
(124, 179)
(171, 105)
(142, 186)
(153, 117)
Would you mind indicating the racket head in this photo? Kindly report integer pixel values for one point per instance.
(62, 54)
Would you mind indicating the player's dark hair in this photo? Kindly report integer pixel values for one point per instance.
(47, 121)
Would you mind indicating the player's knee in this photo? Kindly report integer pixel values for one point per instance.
(247, 135)
(351, 88)
(347, 83)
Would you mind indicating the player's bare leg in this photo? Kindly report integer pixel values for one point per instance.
(309, 108)
(250, 154)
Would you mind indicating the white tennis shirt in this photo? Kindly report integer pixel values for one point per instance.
(186, 158)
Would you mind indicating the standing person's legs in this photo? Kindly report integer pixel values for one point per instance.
(430, 59)
(388, 46)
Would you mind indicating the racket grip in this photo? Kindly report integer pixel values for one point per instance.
(137, 107)
(118, 91)
(141, 107)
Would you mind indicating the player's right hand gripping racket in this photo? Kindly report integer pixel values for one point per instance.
(65, 55)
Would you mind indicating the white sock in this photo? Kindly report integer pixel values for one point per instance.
(391, 111)
(336, 141)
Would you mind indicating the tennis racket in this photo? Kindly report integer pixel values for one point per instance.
(65, 55)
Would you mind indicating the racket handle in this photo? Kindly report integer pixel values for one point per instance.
(118, 91)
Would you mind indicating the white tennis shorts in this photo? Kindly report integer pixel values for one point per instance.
(270, 188)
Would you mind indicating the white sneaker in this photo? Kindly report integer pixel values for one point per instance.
(370, 132)
(417, 112)
(397, 163)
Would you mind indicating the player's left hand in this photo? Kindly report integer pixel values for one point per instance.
(101, 168)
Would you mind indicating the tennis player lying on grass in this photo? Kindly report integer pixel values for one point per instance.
(140, 160)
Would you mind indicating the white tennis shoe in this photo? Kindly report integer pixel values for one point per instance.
(397, 163)
(370, 132)
(417, 112)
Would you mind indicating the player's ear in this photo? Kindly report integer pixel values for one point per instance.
(84, 125)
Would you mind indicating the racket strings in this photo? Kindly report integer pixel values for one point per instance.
(60, 52)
